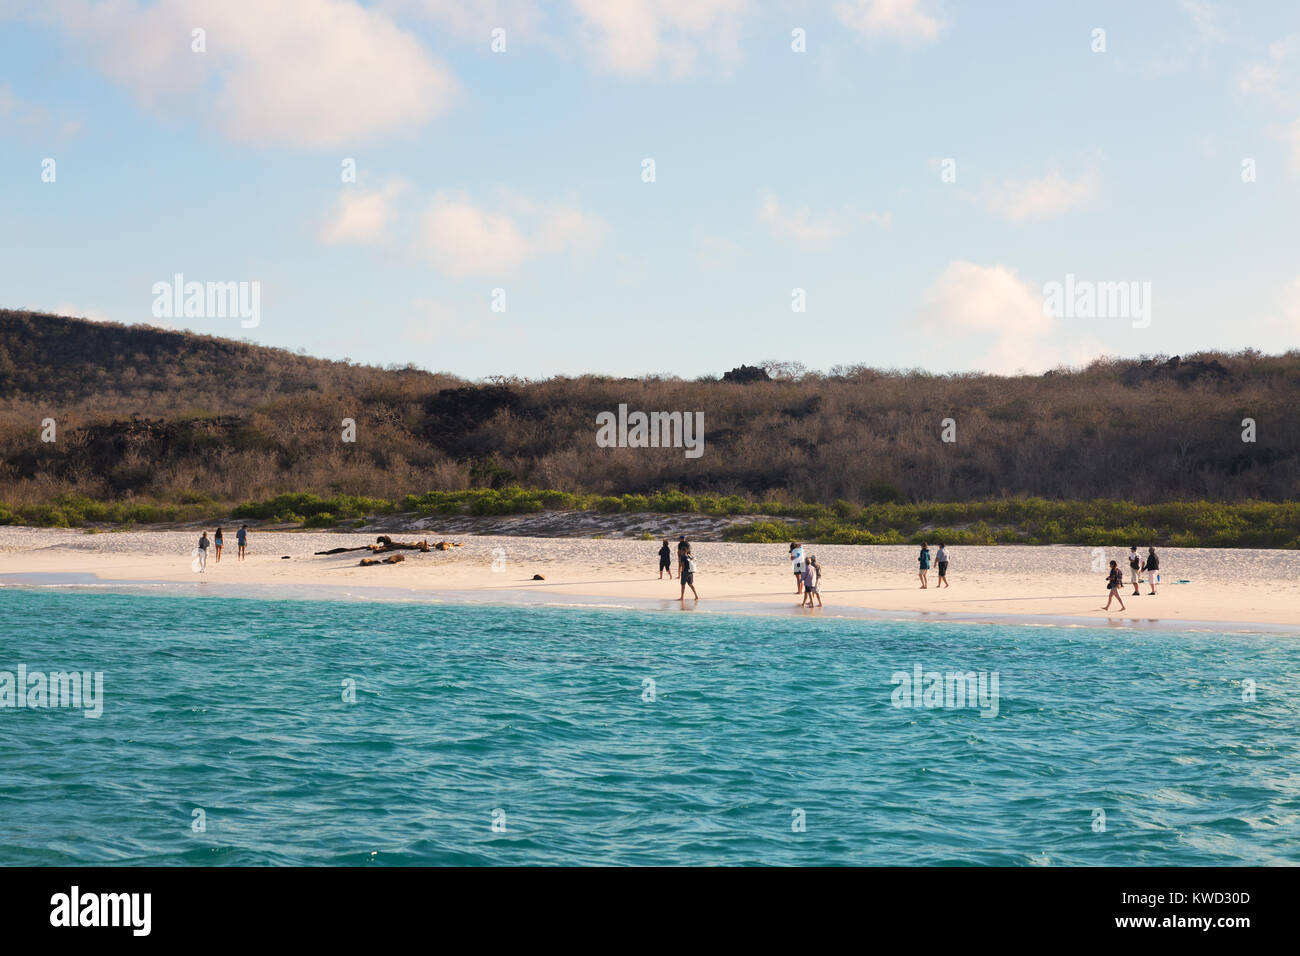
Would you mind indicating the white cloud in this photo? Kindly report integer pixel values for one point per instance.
(1051, 195)
(1276, 326)
(362, 216)
(91, 315)
(463, 239)
(1274, 81)
(988, 318)
(1259, 79)
(1207, 19)
(301, 73)
(797, 224)
(17, 114)
(907, 20)
(803, 226)
(1266, 78)
(987, 299)
(641, 37)
(476, 19)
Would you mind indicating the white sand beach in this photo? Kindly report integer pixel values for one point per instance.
(1053, 583)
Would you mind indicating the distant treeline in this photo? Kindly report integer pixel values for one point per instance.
(146, 417)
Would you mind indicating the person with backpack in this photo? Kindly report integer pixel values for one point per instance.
(1114, 581)
(686, 571)
(1152, 567)
(1134, 567)
(796, 557)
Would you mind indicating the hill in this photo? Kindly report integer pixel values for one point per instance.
(152, 414)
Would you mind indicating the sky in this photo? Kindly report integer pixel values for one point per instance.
(628, 187)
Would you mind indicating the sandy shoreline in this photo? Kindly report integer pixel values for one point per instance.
(1041, 584)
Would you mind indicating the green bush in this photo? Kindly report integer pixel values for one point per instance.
(1098, 523)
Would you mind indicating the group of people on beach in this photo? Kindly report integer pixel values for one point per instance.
(940, 562)
(1150, 566)
(808, 572)
(807, 575)
(218, 542)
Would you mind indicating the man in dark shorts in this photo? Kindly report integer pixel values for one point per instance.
(941, 559)
(241, 538)
(683, 549)
(665, 561)
(686, 570)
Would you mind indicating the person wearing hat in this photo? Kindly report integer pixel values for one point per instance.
(796, 556)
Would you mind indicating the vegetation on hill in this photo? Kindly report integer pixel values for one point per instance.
(1008, 521)
(156, 419)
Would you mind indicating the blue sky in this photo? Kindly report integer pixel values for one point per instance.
(775, 170)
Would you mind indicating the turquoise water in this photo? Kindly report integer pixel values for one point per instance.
(235, 707)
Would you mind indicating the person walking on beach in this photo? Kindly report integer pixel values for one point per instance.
(796, 556)
(686, 572)
(1134, 566)
(203, 552)
(1114, 581)
(941, 560)
(683, 552)
(241, 539)
(1152, 567)
(812, 577)
(665, 561)
(217, 541)
(924, 560)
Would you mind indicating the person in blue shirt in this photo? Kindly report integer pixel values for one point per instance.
(241, 538)
(924, 559)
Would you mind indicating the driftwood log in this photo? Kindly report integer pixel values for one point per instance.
(384, 543)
